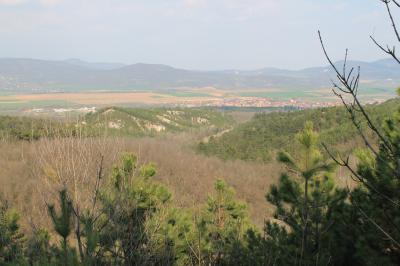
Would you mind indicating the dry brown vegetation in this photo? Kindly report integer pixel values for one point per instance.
(31, 173)
(106, 98)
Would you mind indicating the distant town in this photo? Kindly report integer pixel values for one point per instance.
(265, 102)
(238, 102)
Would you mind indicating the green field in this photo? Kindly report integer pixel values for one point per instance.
(315, 95)
(15, 105)
(279, 95)
(186, 94)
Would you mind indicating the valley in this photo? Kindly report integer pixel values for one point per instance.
(243, 139)
(81, 102)
(191, 148)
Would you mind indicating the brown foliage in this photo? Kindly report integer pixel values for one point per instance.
(32, 173)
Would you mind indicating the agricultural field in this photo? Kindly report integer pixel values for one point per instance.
(367, 94)
(31, 104)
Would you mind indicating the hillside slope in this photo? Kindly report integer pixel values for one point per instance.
(264, 134)
(32, 75)
(115, 121)
(143, 122)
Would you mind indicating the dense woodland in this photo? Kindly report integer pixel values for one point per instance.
(262, 136)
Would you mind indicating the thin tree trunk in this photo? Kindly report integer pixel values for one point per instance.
(65, 251)
(305, 221)
(78, 234)
(317, 237)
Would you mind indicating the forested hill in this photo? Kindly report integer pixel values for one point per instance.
(145, 122)
(264, 134)
(116, 121)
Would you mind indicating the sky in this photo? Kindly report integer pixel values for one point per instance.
(194, 34)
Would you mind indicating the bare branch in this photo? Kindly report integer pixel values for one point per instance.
(346, 164)
(357, 125)
(377, 226)
(387, 50)
(396, 3)
(386, 2)
(98, 179)
(351, 89)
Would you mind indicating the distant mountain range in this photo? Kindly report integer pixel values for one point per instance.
(32, 75)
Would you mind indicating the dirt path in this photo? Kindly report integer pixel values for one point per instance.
(219, 134)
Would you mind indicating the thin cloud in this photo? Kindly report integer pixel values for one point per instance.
(195, 3)
(49, 2)
(22, 2)
(12, 2)
(199, 34)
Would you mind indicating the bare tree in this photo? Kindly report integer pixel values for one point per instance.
(347, 90)
(75, 163)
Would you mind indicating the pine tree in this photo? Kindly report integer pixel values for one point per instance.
(306, 199)
(220, 229)
(377, 200)
(63, 224)
(39, 251)
(92, 235)
(133, 200)
(11, 238)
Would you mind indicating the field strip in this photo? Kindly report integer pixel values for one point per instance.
(105, 98)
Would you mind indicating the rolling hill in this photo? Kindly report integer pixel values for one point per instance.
(115, 121)
(266, 133)
(150, 122)
(31, 75)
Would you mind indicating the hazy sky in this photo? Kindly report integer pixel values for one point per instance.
(193, 34)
